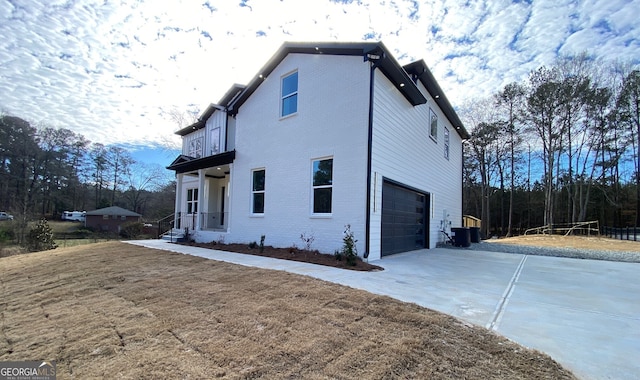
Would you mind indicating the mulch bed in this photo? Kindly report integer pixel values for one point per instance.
(292, 253)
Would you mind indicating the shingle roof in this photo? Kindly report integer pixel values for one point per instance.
(113, 210)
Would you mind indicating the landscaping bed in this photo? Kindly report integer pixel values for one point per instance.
(291, 253)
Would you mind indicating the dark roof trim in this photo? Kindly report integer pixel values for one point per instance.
(232, 94)
(202, 120)
(373, 51)
(184, 164)
(420, 70)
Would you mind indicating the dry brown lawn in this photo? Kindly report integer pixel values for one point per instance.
(578, 242)
(113, 310)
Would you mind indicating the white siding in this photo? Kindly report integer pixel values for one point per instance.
(332, 121)
(216, 121)
(402, 151)
(188, 139)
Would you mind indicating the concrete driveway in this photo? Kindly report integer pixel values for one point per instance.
(583, 313)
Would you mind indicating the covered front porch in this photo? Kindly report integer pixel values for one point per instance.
(203, 193)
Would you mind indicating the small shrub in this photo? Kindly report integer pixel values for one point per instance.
(262, 243)
(349, 249)
(6, 234)
(131, 230)
(40, 237)
(307, 240)
(338, 255)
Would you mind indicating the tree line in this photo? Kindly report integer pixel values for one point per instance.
(560, 147)
(45, 171)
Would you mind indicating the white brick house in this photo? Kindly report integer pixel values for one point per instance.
(325, 135)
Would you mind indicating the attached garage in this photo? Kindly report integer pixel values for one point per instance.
(405, 223)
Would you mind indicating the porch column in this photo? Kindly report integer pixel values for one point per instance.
(178, 206)
(229, 198)
(201, 199)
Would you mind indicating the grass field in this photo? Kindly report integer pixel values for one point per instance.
(113, 310)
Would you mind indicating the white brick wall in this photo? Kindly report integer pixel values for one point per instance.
(332, 121)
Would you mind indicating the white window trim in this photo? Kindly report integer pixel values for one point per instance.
(193, 201)
(195, 148)
(253, 192)
(284, 96)
(321, 214)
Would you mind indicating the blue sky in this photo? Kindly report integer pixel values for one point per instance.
(115, 71)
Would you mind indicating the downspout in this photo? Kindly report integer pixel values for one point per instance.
(367, 232)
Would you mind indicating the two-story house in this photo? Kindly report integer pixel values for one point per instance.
(325, 135)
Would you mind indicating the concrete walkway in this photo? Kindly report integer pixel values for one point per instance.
(584, 313)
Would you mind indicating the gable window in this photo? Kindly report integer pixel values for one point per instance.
(257, 191)
(446, 143)
(433, 119)
(322, 185)
(289, 95)
(192, 201)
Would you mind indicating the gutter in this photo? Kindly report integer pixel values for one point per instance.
(375, 58)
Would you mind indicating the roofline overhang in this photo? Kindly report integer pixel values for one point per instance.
(202, 120)
(183, 166)
(375, 52)
(420, 70)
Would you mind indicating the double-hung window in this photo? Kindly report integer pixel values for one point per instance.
(192, 201)
(433, 120)
(257, 191)
(289, 95)
(322, 185)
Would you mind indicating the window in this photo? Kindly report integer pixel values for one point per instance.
(215, 141)
(434, 125)
(257, 191)
(446, 143)
(322, 185)
(289, 98)
(195, 148)
(192, 201)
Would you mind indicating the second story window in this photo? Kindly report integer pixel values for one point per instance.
(289, 95)
(195, 147)
(446, 143)
(433, 120)
(215, 141)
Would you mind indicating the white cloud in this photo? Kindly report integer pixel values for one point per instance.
(112, 71)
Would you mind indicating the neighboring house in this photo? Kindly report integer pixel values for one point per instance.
(325, 135)
(110, 219)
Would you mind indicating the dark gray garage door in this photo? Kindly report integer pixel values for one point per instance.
(404, 219)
